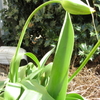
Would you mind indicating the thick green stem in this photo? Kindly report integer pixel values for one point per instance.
(85, 61)
(14, 76)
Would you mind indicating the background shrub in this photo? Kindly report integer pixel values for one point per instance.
(45, 27)
(42, 31)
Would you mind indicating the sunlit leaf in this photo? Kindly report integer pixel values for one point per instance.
(34, 90)
(74, 96)
(12, 91)
(59, 75)
(34, 58)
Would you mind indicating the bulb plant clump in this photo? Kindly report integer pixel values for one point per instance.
(47, 82)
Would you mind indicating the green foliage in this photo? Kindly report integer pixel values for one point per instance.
(44, 28)
(74, 96)
(85, 38)
(26, 80)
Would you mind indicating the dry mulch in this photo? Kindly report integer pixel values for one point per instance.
(86, 83)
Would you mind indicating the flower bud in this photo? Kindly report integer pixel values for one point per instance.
(76, 7)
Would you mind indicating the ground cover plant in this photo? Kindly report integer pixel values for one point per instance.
(47, 82)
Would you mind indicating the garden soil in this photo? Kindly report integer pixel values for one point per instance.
(86, 83)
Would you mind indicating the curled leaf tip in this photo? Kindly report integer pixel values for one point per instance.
(77, 7)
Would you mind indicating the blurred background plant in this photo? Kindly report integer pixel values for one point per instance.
(44, 28)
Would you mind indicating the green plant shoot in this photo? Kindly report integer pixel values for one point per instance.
(58, 83)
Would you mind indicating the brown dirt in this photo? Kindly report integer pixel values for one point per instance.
(86, 83)
(3, 72)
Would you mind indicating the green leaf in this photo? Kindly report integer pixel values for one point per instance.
(48, 69)
(35, 72)
(74, 96)
(28, 71)
(34, 90)
(45, 74)
(30, 68)
(30, 95)
(59, 75)
(12, 91)
(15, 63)
(22, 72)
(46, 56)
(2, 98)
(33, 57)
